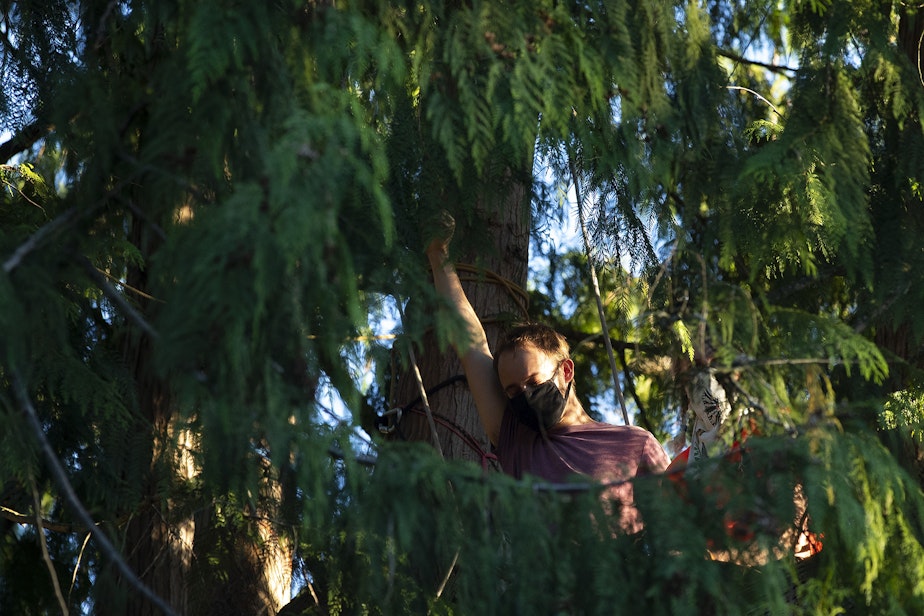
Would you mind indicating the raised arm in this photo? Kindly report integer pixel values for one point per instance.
(476, 357)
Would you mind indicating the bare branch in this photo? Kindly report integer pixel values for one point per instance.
(37, 238)
(62, 221)
(83, 547)
(420, 385)
(121, 303)
(20, 518)
(40, 535)
(22, 141)
(773, 68)
(758, 95)
(596, 288)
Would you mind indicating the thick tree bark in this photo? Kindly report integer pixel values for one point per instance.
(910, 29)
(900, 338)
(494, 281)
(254, 573)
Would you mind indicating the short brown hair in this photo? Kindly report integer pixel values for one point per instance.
(538, 335)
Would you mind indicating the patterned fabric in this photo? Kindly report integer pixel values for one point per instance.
(710, 409)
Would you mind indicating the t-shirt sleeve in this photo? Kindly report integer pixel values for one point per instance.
(654, 459)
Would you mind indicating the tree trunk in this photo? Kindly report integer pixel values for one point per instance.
(254, 571)
(901, 338)
(162, 538)
(158, 537)
(494, 281)
(910, 28)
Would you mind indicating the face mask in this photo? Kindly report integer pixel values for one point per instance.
(541, 407)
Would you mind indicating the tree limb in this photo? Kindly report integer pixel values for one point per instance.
(20, 518)
(773, 68)
(21, 141)
(36, 239)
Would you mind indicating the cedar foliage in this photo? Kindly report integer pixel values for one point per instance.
(209, 200)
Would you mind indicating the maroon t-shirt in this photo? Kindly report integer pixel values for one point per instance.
(598, 451)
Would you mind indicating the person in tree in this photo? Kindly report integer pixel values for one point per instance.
(525, 397)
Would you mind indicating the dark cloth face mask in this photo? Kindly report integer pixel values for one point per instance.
(540, 407)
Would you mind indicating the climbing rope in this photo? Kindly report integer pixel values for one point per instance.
(470, 273)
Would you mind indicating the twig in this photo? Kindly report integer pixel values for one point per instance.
(596, 287)
(60, 477)
(36, 238)
(130, 313)
(129, 287)
(83, 547)
(452, 566)
(40, 535)
(22, 194)
(758, 95)
(420, 385)
(774, 68)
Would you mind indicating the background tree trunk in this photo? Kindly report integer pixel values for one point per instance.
(163, 537)
(158, 537)
(255, 574)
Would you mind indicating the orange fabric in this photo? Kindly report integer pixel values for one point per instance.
(737, 528)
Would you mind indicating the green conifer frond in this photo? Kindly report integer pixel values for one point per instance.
(796, 333)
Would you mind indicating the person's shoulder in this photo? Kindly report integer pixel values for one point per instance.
(607, 428)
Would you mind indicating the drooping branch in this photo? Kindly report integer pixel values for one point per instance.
(121, 303)
(596, 288)
(70, 496)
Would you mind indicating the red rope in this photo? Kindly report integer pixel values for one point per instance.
(466, 436)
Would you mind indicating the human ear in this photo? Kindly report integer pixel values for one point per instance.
(567, 370)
